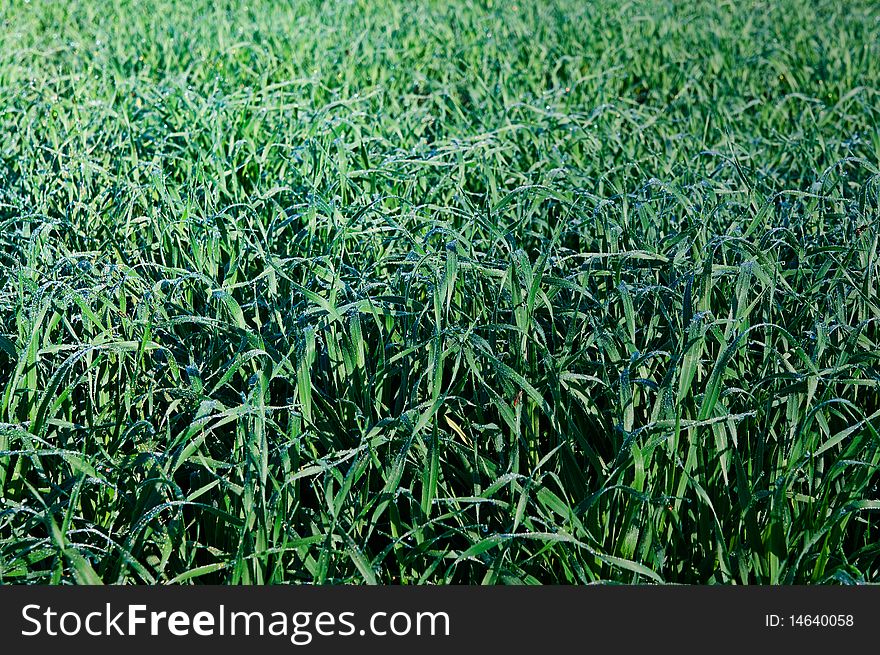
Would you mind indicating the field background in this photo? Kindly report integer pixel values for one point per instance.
(439, 292)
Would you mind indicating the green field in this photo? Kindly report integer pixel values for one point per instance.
(540, 291)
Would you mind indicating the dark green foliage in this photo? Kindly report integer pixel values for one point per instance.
(439, 292)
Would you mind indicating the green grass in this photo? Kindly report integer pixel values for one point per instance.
(541, 291)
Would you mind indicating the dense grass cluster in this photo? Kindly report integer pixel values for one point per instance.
(439, 292)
